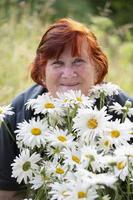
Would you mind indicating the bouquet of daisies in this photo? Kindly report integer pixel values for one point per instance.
(72, 148)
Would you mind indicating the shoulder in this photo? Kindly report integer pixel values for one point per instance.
(32, 92)
(122, 97)
(19, 108)
(114, 93)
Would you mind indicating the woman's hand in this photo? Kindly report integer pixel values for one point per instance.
(10, 195)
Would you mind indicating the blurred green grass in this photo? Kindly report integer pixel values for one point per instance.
(20, 40)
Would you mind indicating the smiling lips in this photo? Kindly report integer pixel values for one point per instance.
(69, 84)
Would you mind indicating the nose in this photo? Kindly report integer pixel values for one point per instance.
(69, 72)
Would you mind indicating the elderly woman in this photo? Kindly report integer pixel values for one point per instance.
(68, 57)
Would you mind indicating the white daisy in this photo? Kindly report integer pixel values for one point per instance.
(32, 133)
(56, 120)
(25, 165)
(90, 158)
(117, 165)
(42, 176)
(108, 160)
(58, 137)
(125, 151)
(44, 104)
(58, 170)
(90, 122)
(81, 190)
(104, 144)
(45, 170)
(63, 101)
(104, 179)
(59, 191)
(37, 181)
(81, 174)
(54, 152)
(121, 168)
(91, 179)
(108, 89)
(72, 157)
(119, 109)
(5, 110)
(75, 97)
(30, 103)
(118, 132)
(81, 184)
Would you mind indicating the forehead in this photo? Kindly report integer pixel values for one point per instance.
(80, 50)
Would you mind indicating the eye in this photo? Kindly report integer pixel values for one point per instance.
(58, 63)
(78, 61)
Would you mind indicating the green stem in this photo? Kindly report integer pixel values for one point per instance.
(116, 194)
(124, 116)
(128, 181)
(125, 110)
(69, 121)
(102, 99)
(9, 131)
(120, 194)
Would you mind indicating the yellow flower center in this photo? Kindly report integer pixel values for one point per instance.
(36, 131)
(49, 105)
(81, 195)
(75, 159)
(106, 143)
(59, 170)
(62, 138)
(65, 100)
(120, 165)
(92, 123)
(79, 99)
(65, 194)
(115, 133)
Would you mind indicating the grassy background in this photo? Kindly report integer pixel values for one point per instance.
(20, 40)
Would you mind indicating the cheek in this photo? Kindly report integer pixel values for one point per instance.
(51, 75)
(88, 74)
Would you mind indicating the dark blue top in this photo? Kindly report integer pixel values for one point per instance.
(8, 148)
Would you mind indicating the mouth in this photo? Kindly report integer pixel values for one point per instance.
(70, 85)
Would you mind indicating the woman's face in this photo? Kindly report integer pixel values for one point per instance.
(70, 73)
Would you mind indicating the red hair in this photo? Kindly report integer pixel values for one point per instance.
(62, 33)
